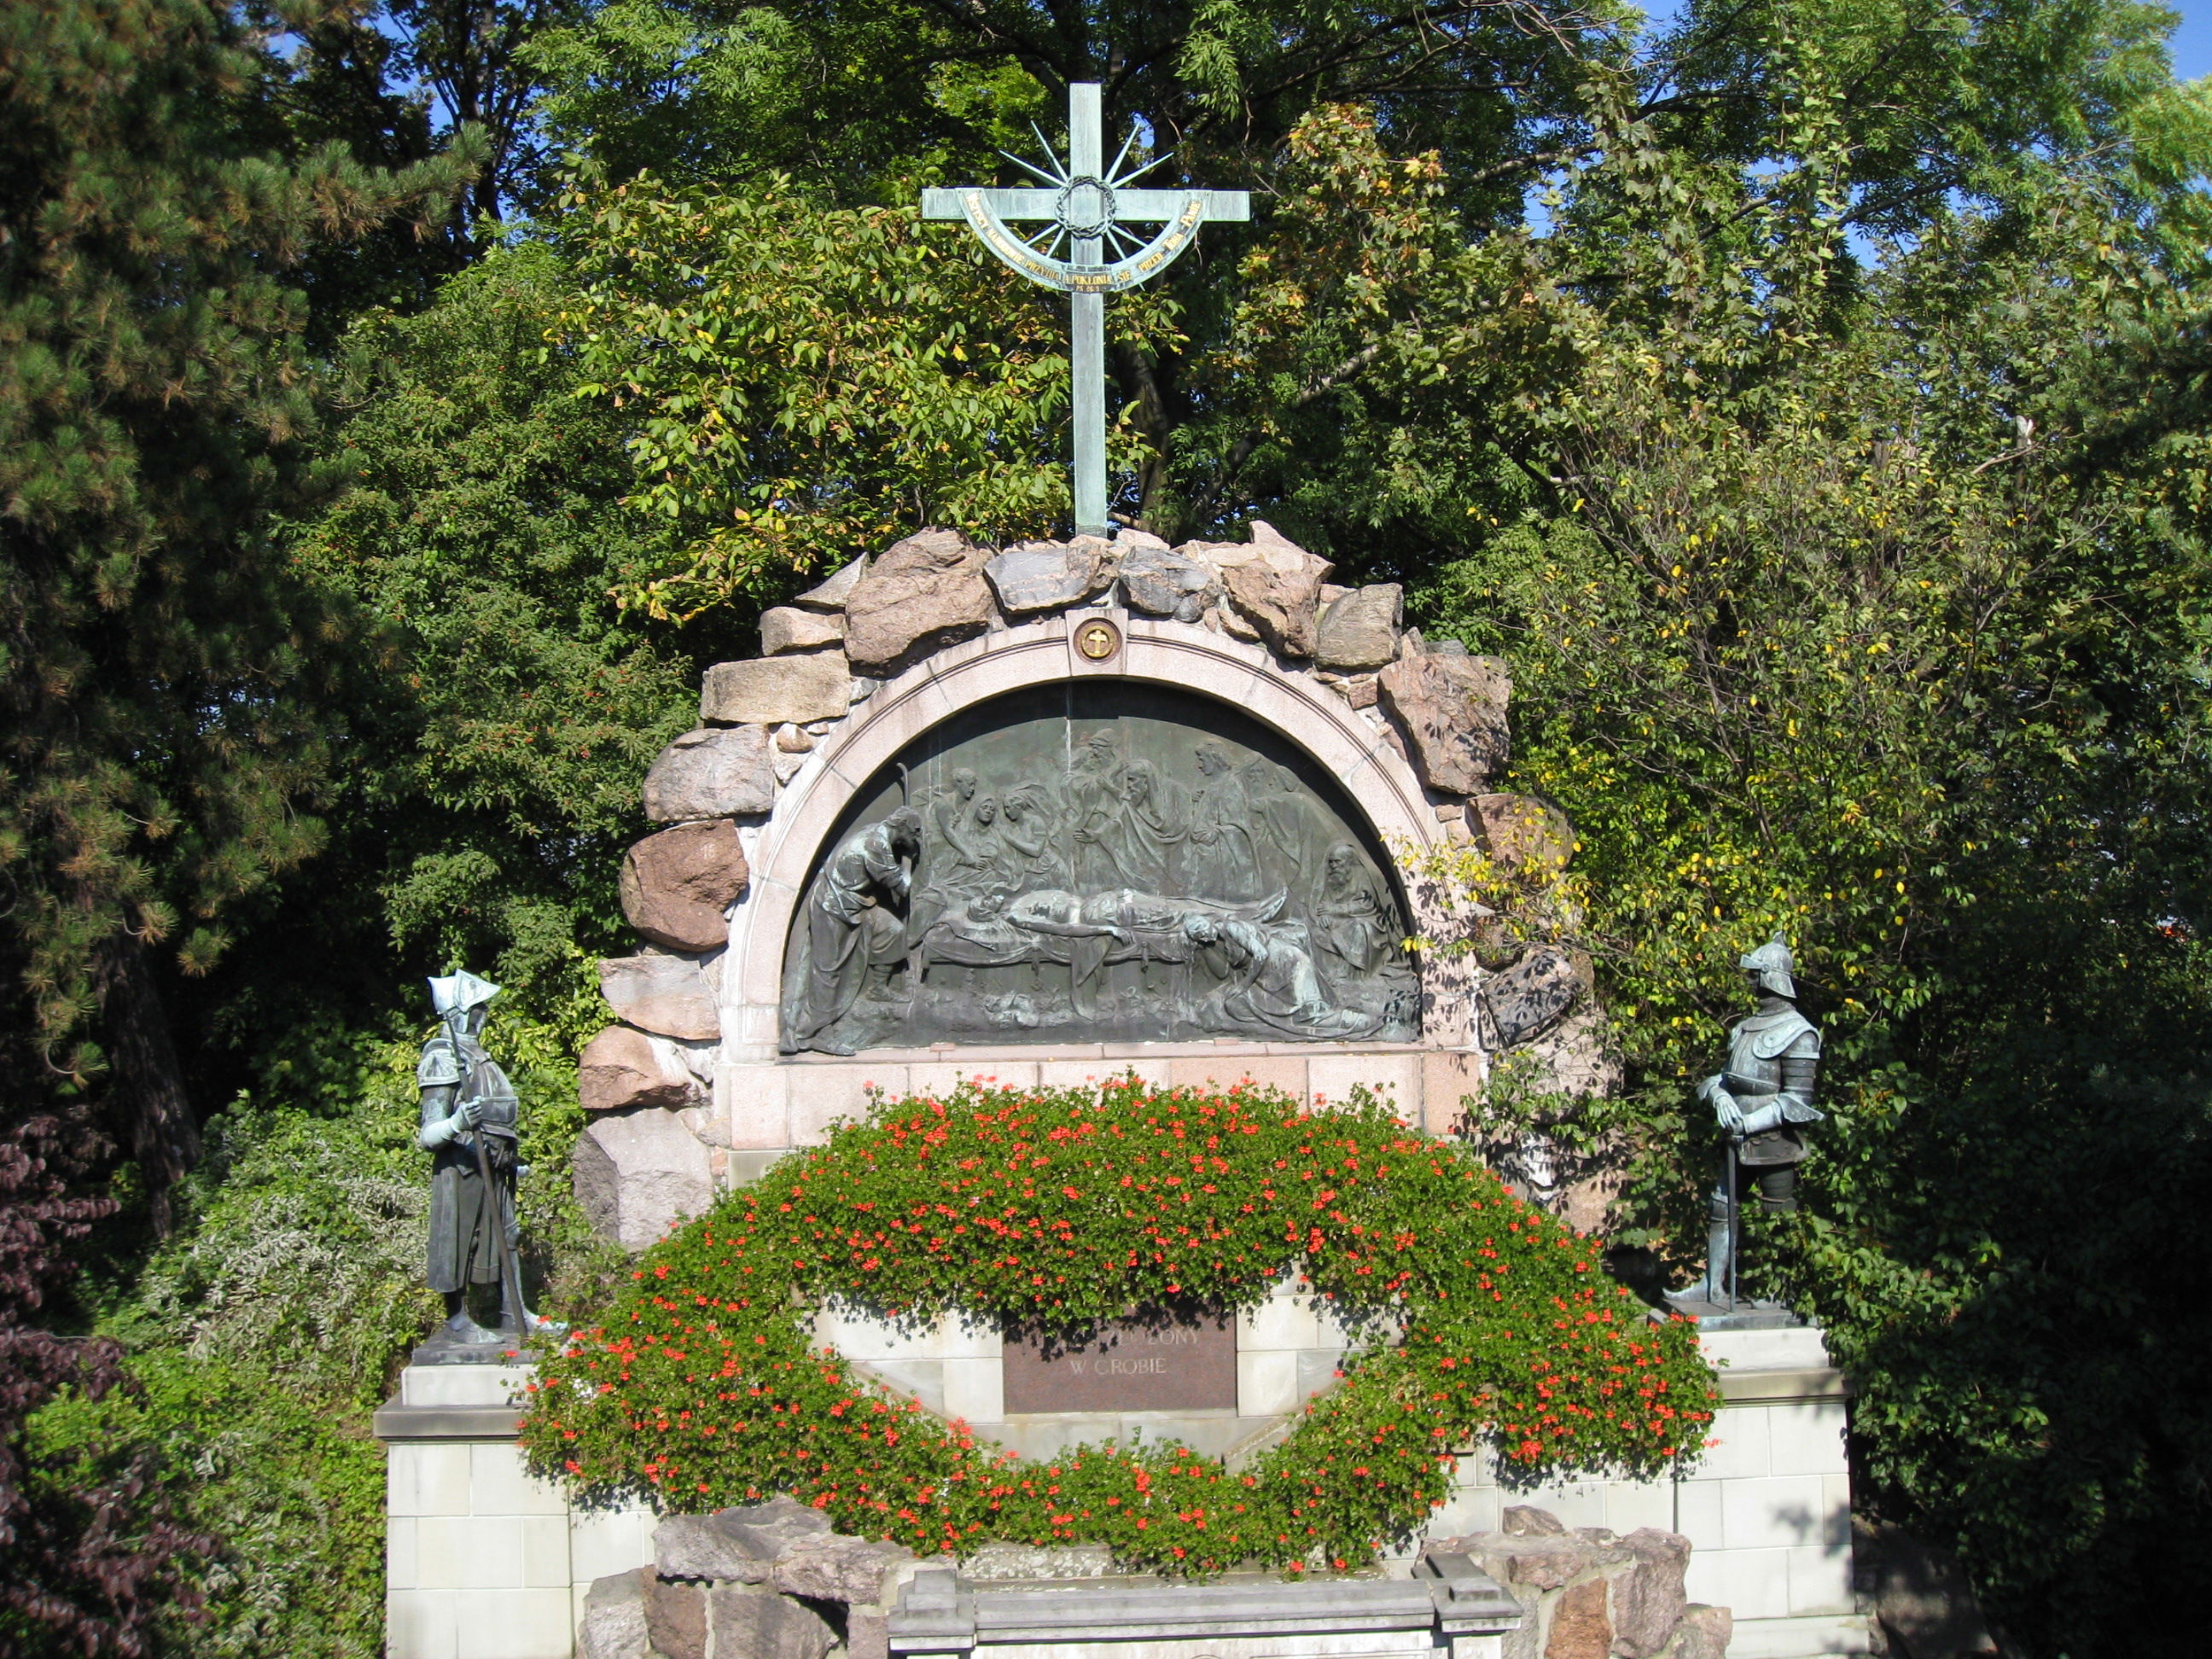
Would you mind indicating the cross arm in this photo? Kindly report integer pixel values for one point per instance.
(1129, 205)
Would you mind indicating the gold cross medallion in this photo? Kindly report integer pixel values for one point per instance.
(1097, 639)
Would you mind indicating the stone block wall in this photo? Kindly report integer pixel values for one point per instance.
(482, 1561)
(1769, 1507)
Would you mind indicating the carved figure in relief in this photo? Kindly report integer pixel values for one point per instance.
(1010, 864)
(1026, 837)
(1268, 978)
(1220, 860)
(1353, 918)
(854, 933)
(1094, 783)
(1141, 838)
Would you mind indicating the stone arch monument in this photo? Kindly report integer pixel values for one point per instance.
(1166, 798)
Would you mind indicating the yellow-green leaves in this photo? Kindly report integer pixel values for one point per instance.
(806, 383)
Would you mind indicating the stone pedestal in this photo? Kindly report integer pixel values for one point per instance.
(482, 1561)
(1768, 1511)
(1451, 1605)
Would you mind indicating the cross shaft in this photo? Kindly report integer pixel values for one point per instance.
(1085, 207)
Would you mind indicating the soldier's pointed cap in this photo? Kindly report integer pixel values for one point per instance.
(460, 990)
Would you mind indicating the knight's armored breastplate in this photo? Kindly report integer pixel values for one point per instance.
(1749, 1072)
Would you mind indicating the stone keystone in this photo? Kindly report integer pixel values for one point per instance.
(833, 1569)
(924, 593)
(712, 773)
(667, 995)
(787, 629)
(621, 1068)
(1360, 630)
(678, 886)
(1161, 583)
(1452, 710)
(815, 686)
(1278, 589)
(1033, 576)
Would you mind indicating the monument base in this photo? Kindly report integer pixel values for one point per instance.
(482, 1561)
(1741, 1313)
(485, 1562)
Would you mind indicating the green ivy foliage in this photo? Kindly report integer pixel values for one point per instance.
(1055, 1210)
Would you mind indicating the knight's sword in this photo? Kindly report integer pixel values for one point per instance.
(1085, 207)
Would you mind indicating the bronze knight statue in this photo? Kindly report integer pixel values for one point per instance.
(1761, 1100)
(470, 1125)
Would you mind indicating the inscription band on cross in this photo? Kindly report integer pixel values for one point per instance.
(1085, 204)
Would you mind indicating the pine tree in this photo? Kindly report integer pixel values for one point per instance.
(159, 741)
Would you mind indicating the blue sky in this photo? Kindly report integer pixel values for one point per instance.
(2192, 40)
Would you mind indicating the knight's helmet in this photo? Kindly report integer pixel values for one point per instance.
(1773, 965)
(454, 995)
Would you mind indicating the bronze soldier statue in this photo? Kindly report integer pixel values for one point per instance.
(1761, 1102)
(470, 1124)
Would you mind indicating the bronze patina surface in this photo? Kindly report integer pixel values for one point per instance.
(1099, 861)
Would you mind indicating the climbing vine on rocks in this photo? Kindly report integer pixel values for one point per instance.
(1483, 1319)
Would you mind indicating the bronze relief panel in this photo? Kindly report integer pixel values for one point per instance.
(1099, 860)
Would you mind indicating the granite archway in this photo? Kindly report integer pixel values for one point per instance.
(1309, 715)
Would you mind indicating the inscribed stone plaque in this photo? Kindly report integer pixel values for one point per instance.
(1186, 1363)
(1100, 860)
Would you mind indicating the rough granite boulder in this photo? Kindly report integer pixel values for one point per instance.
(1452, 709)
(922, 594)
(678, 886)
(834, 1569)
(1276, 586)
(1706, 1634)
(1648, 1604)
(816, 685)
(752, 1622)
(1361, 630)
(1521, 833)
(735, 1545)
(613, 1625)
(666, 995)
(1533, 995)
(1032, 576)
(772, 1528)
(637, 1174)
(787, 629)
(676, 1618)
(832, 594)
(621, 1068)
(715, 772)
(1160, 582)
(1589, 1594)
